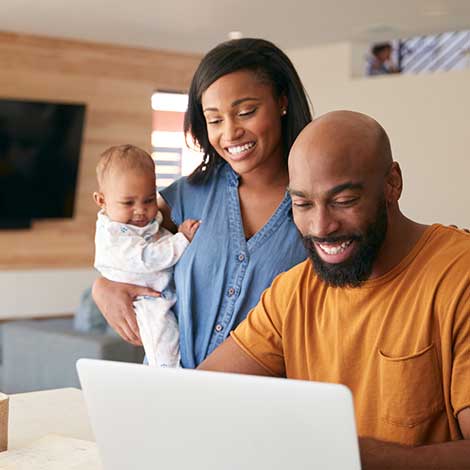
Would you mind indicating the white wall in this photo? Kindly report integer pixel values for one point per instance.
(426, 116)
(42, 293)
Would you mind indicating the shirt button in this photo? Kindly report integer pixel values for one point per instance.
(218, 327)
(241, 257)
(231, 291)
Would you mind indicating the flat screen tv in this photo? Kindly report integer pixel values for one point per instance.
(40, 145)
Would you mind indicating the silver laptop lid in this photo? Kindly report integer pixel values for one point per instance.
(172, 419)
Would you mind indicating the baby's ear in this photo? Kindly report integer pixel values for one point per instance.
(99, 199)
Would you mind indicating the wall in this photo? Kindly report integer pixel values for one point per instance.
(116, 83)
(426, 116)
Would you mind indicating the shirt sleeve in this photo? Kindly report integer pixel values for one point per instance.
(260, 334)
(175, 195)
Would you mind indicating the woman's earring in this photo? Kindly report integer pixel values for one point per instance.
(205, 163)
(284, 112)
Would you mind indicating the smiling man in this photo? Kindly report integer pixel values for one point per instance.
(382, 305)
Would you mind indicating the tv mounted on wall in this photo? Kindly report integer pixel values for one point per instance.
(40, 146)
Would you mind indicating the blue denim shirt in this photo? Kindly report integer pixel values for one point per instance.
(221, 275)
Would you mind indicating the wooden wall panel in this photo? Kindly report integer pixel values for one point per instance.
(116, 84)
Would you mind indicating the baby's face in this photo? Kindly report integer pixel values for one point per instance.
(129, 197)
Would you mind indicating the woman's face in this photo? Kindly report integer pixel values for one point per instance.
(243, 119)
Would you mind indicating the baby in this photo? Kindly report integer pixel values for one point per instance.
(133, 247)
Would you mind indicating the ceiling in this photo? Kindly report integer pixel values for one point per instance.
(196, 26)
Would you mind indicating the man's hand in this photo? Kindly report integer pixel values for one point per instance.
(114, 299)
(188, 228)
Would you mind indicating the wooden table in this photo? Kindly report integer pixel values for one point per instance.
(50, 430)
(36, 414)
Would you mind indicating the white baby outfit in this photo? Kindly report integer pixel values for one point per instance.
(144, 256)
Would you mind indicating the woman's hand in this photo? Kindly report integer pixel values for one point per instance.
(114, 299)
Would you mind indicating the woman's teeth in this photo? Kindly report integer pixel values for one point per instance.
(236, 149)
(335, 249)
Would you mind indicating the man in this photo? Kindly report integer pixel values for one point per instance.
(382, 306)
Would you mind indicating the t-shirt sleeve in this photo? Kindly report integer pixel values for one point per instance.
(460, 384)
(175, 195)
(186, 200)
(260, 334)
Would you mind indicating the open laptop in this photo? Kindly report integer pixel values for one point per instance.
(174, 419)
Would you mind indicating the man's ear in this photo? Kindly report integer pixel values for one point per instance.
(393, 183)
(99, 199)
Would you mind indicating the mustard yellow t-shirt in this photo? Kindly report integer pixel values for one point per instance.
(400, 342)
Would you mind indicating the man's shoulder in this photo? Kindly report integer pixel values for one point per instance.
(446, 254)
(445, 271)
(447, 241)
(453, 231)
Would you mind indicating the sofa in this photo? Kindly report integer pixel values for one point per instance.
(41, 354)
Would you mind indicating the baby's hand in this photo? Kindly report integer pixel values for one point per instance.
(188, 228)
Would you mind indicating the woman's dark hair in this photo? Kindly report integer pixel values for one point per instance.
(270, 65)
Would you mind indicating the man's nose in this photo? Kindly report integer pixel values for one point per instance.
(323, 223)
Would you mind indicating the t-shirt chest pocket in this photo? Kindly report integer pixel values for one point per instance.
(410, 387)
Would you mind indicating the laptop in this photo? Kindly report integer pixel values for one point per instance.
(178, 419)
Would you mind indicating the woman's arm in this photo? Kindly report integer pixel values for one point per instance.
(114, 299)
(165, 209)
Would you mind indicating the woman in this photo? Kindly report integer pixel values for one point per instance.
(246, 107)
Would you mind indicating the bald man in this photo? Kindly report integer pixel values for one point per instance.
(382, 305)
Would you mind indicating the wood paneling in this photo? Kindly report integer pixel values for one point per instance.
(169, 121)
(116, 84)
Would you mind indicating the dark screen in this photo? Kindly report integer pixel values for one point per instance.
(39, 154)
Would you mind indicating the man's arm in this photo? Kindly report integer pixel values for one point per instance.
(464, 422)
(229, 357)
(375, 455)
(455, 455)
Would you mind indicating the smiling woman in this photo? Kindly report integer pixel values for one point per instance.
(243, 122)
(246, 106)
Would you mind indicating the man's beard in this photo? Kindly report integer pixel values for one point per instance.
(356, 269)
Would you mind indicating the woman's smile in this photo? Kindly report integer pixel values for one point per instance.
(241, 151)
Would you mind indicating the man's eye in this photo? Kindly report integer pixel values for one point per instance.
(345, 202)
(301, 205)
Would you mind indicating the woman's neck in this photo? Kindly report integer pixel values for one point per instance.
(267, 177)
